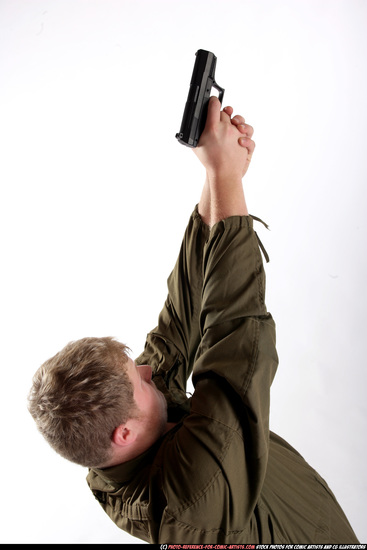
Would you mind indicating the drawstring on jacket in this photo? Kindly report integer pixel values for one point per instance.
(266, 255)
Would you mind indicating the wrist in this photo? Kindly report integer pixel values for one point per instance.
(226, 199)
(225, 180)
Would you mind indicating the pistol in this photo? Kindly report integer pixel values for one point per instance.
(196, 108)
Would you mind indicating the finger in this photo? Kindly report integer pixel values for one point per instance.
(228, 110)
(213, 116)
(224, 116)
(246, 129)
(238, 119)
(248, 143)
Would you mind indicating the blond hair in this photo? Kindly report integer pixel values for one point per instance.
(80, 396)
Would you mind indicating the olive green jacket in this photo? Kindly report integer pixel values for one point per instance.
(219, 476)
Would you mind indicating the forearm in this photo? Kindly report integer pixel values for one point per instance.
(233, 274)
(220, 199)
(204, 207)
(238, 333)
(226, 199)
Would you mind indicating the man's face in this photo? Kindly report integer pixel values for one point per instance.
(150, 401)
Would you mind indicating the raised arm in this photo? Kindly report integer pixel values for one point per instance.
(221, 450)
(225, 149)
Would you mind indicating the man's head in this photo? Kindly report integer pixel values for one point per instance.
(94, 406)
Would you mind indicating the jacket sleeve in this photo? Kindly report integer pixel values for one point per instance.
(171, 346)
(220, 453)
(238, 334)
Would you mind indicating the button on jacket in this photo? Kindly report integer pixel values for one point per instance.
(220, 475)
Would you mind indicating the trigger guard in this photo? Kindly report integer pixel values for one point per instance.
(220, 90)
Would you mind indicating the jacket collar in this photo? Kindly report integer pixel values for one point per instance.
(122, 473)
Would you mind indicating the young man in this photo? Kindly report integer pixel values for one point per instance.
(166, 468)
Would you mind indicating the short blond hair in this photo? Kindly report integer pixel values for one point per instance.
(80, 396)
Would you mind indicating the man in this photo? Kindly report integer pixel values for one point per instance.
(166, 468)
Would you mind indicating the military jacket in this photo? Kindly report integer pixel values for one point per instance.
(220, 475)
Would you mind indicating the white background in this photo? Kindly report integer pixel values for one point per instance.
(96, 193)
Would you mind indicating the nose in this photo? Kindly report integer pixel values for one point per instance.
(145, 372)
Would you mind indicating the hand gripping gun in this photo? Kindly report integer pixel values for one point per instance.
(196, 108)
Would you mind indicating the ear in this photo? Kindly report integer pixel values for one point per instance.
(124, 434)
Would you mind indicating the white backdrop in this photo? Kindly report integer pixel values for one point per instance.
(96, 193)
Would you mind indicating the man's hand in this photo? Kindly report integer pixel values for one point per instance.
(225, 147)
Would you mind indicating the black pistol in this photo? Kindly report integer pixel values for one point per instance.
(196, 108)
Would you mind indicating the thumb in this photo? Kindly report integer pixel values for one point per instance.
(213, 116)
